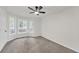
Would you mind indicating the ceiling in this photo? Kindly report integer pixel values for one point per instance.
(24, 11)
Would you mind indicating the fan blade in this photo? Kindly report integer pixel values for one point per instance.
(40, 7)
(31, 9)
(31, 12)
(42, 12)
(36, 7)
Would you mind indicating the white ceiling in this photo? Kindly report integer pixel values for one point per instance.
(24, 11)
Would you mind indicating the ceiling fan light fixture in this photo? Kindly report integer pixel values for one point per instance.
(37, 13)
(37, 10)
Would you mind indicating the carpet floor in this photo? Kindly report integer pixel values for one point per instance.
(34, 45)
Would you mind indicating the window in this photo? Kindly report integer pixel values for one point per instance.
(19, 25)
(31, 30)
(12, 25)
(22, 25)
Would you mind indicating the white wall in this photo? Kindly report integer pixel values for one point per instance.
(3, 27)
(63, 28)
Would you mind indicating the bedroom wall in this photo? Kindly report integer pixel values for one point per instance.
(63, 28)
(3, 28)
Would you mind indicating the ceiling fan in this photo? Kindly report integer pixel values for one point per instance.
(37, 10)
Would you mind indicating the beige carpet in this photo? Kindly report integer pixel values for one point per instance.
(34, 45)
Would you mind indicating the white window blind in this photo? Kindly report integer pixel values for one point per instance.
(31, 26)
(22, 25)
(12, 25)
